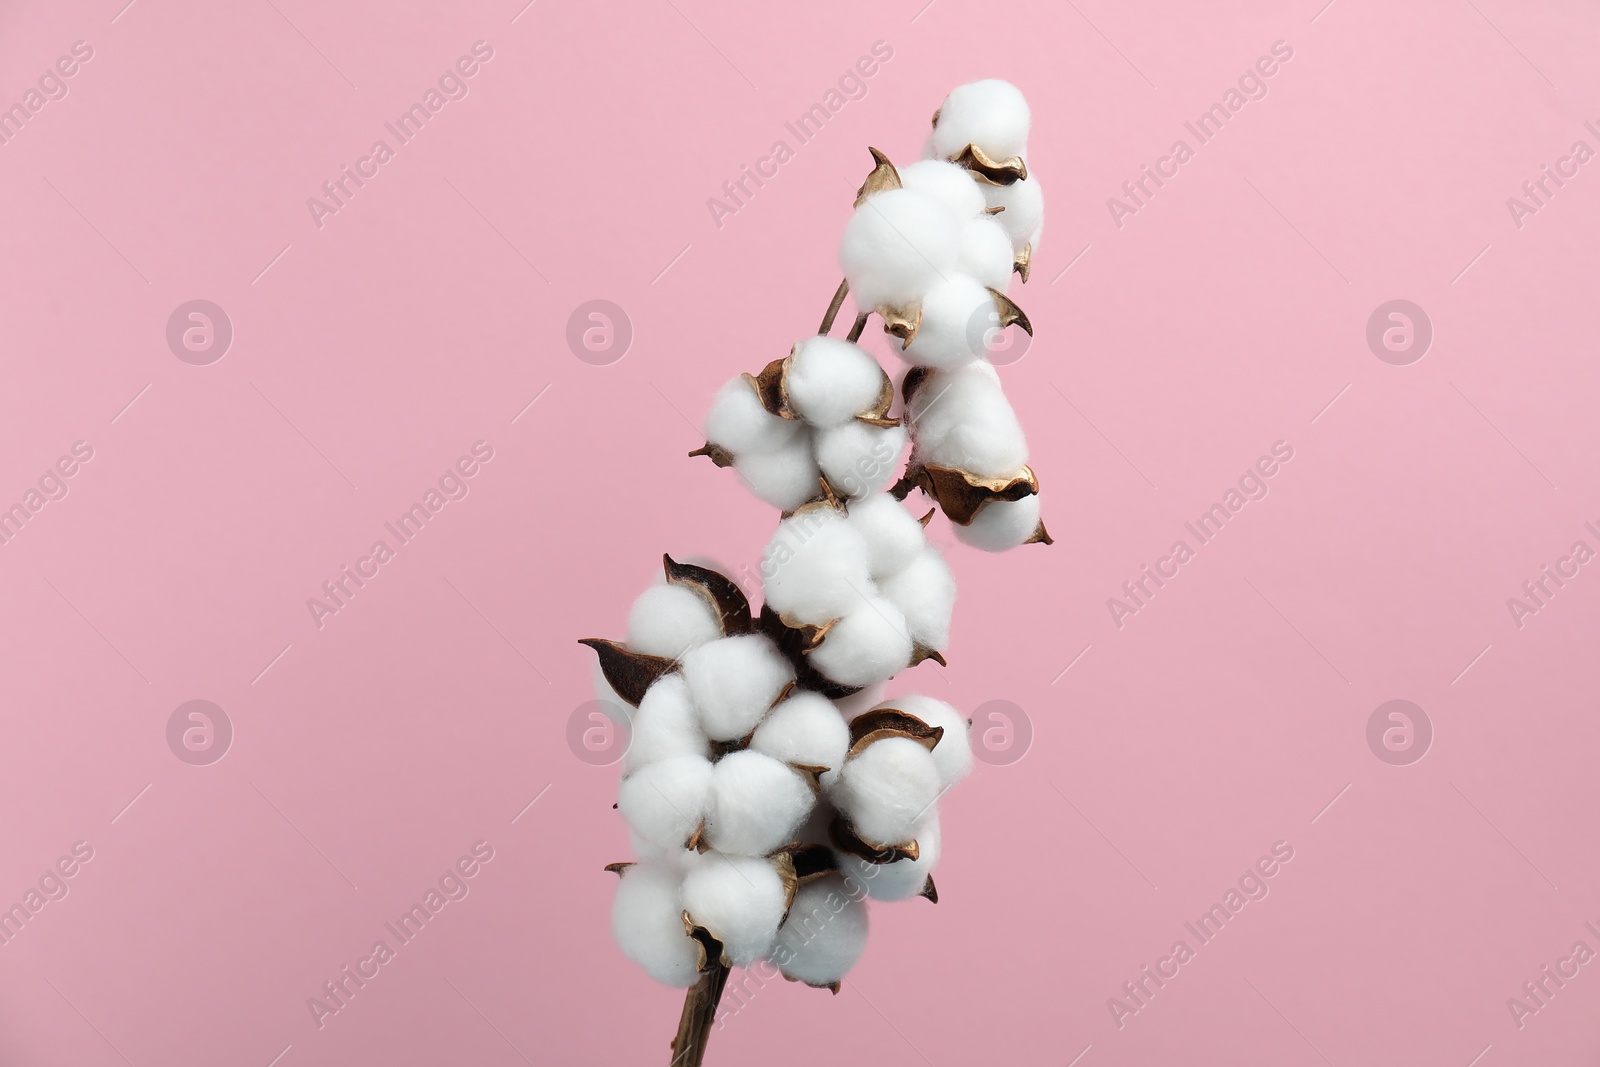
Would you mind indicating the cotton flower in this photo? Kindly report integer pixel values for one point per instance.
(829, 381)
(952, 756)
(665, 802)
(986, 253)
(733, 681)
(668, 620)
(786, 477)
(951, 185)
(860, 459)
(904, 878)
(739, 900)
(665, 725)
(1002, 524)
(738, 423)
(824, 935)
(758, 802)
(647, 920)
(815, 567)
(805, 730)
(961, 419)
(892, 535)
(896, 246)
(869, 644)
(990, 114)
(925, 592)
(957, 314)
(886, 789)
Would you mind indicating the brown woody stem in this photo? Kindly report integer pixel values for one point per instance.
(699, 1012)
(833, 308)
(855, 330)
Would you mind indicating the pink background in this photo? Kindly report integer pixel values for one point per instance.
(426, 315)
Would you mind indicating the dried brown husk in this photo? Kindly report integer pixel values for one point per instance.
(720, 591)
(930, 891)
(902, 322)
(882, 176)
(1023, 264)
(812, 862)
(716, 453)
(769, 387)
(783, 863)
(878, 413)
(618, 868)
(960, 494)
(629, 673)
(1041, 536)
(920, 653)
(845, 839)
(881, 723)
(1010, 313)
(990, 171)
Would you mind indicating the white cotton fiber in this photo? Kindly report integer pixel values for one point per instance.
(669, 620)
(953, 754)
(948, 183)
(859, 458)
(824, 935)
(758, 803)
(896, 245)
(815, 567)
(739, 899)
(893, 535)
(665, 725)
(991, 114)
(785, 478)
(647, 921)
(733, 681)
(962, 419)
(830, 381)
(805, 730)
(739, 423)
(925, 592)
(886, 789)
(1001, 524)
(902, 879)
(869, 644)
(987, 253)
(1023, 217)
(957, 315)
(665, 802)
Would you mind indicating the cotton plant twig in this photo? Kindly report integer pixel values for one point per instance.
(768, 789)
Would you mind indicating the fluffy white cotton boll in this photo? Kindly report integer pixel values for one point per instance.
(665, 802)
(825, 933)
(1023, 217)
(647, 921)
(893, 535)
(665, 726)
(739, 423)
(987, 253)
(991, 114)
(962, 419)
(886, 789)
(668, 620)
(902, 879)
(1001, 524)
(830, 382)
(805, 730)
(733, 681)
(896, 245)
(957, 315)
(757, 804)
(870, 644)
(815, 567)
(785, 478)
(925, 592)
(859, 458)
(739, 899)
(953, 754)
(948, 183)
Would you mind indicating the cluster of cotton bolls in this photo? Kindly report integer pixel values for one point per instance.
(764, 813)
(767, 789)
(813, 423)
